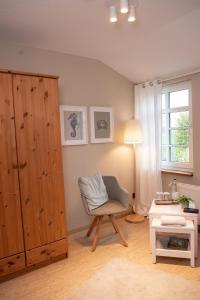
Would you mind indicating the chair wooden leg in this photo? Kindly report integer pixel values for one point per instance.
(94, 222)
(113, 224)
(96, 236)
(116, 227)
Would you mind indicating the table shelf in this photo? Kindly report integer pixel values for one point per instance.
(161, 251)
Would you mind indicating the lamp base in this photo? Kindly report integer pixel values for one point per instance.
(135, 218)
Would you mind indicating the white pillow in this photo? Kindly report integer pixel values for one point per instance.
(94, 190)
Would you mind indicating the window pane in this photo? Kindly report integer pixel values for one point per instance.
(179, 154)
(179, 137)
(164, 137)
(179, 119)
(165, 130)
(164, 121)
(179, 99)
(163, 102)
(164, 153)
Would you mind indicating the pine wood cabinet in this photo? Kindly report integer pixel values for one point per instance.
(32, 211)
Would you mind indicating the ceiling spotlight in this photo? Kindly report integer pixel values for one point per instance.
(131, 16)
(124, 6)
(113, 14)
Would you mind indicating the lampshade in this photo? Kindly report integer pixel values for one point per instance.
(133, 132)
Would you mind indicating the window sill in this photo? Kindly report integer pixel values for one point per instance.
(171, 171)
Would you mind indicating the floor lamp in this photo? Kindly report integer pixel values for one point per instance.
(133, 135)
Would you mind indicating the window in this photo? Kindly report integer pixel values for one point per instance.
(177, 127)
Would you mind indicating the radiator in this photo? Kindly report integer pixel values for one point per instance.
(192, 191)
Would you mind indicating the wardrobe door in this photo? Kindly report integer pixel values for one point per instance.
(40, 164)
(11, 236)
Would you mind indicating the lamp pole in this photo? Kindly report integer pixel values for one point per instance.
(133, 135)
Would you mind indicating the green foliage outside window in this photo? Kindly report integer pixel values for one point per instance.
(181, 137)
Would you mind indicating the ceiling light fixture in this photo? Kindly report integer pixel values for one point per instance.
(131, 16)
(124, 6)
(113, 14)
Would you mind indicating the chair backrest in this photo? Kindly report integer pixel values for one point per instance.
(112, 187)
(114, 190)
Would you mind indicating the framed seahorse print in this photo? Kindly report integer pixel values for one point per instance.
(101, 122)
(73, 125)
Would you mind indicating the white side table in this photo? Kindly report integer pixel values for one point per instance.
(158, 250)
(174, 210)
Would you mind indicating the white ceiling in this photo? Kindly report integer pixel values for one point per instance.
(164, 41)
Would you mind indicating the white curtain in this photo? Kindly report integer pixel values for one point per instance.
(148, 173)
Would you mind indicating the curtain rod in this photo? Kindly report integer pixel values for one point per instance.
(170, 78)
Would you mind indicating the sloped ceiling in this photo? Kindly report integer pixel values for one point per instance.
(164, 41)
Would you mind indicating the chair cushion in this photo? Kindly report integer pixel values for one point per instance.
(109, 208)
(94, 190)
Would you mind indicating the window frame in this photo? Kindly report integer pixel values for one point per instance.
(168, 164)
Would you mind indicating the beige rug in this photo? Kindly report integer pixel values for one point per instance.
(122, 280)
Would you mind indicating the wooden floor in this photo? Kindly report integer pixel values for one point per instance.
(61, 279)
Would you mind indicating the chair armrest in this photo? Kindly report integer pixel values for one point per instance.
(115, 191)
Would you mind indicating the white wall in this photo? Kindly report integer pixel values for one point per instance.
(83, 82)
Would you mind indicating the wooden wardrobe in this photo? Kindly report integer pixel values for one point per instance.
(32, 211)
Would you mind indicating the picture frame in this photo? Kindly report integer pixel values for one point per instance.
(101, 124)
(73, 125)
